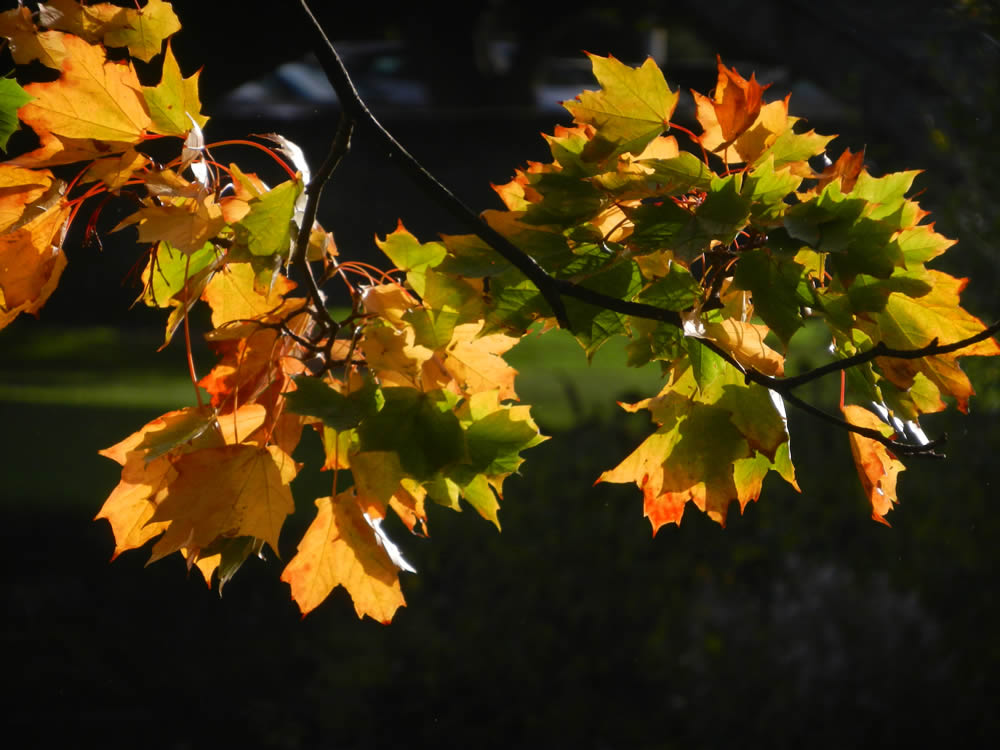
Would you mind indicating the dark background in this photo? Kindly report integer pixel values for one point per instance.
(801, 622)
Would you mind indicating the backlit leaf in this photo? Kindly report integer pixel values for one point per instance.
(341, 549)
(93, 98)
(174, 101)
(633, 106)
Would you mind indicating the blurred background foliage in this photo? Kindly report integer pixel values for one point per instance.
(802, 621)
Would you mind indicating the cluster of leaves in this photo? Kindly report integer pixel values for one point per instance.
(707, 262)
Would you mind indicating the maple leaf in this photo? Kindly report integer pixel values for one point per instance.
(186, 223)
(737, 102)
(746, 343)
(737, 126)
(714, 445)
(878, 469)
(31, 261)
(146, 472)
(847, 168)
(268, 228)
(232, 297)
(19, 189)
(92, 98)
(230, 491)
(914, 322)
(57, 149)
(116, 171)
(475, 363)
(173, 103)
(12, 97)
(633, 106)
(27, 43)
(144, 30)
(340, 548)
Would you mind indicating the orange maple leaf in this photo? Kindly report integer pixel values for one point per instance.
(19, 188)
(847, 168)
(93, 98)
(877, 467)
(340, 548)
(31, 262)
(737, 126)
(235, 490)
(145, 475)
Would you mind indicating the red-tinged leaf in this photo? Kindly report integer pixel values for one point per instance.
(340, 548)
(878, 468)
(92, 98)
(914, 322)
(31, 262)
(737, 126)
(691, 457)
(846, 169)
(737, 102)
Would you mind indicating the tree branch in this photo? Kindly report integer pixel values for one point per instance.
(554, 289)
(354, 107)
(340, 146)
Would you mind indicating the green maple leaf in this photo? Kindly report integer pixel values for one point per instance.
(267, 229)
(12, 98)
(173, 103)
(633, 106)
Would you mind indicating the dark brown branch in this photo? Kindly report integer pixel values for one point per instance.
(340, 146)
(354, 107)
(881, 350)
(553, 289)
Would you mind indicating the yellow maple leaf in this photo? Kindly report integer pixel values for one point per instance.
(340, 548)
(476, 365)
(115, 171)
(174, 100)
(186, 223)
(93, 98)
(27, 43)
(745, 341)
(232, 296)
(144, 30)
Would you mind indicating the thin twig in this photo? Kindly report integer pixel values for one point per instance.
(340, 146)
(355, 108)
(554, 289)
